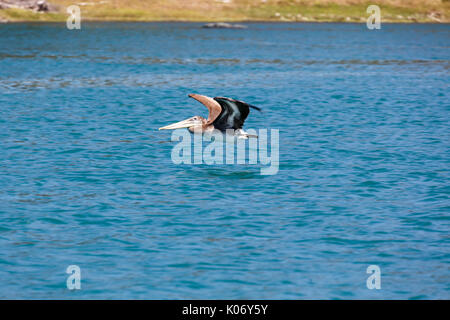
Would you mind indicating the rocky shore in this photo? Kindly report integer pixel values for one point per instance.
(223, 25)
(35, 5)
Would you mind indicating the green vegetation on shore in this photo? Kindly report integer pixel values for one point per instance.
(240, 10)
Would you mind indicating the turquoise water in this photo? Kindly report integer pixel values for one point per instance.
(87, 179)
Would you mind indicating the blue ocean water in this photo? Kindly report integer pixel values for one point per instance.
(87, 179)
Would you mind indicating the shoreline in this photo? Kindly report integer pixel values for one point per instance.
(227, 21)
(196, 11)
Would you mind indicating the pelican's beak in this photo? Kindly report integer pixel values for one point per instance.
(182, 124)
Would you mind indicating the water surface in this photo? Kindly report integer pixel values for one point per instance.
(87, 179)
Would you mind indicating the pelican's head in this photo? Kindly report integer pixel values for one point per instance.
(192, 124)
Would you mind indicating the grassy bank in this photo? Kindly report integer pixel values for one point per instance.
(241, 10)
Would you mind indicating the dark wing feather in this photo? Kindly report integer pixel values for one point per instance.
(233, 115)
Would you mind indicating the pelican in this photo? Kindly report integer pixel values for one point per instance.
(224, 113)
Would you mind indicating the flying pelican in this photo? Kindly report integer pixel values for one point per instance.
(224, 113)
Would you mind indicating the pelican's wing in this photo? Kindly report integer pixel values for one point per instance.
(233, 115)
(213, 106)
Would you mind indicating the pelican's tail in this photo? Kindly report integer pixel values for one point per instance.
(254, 107)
